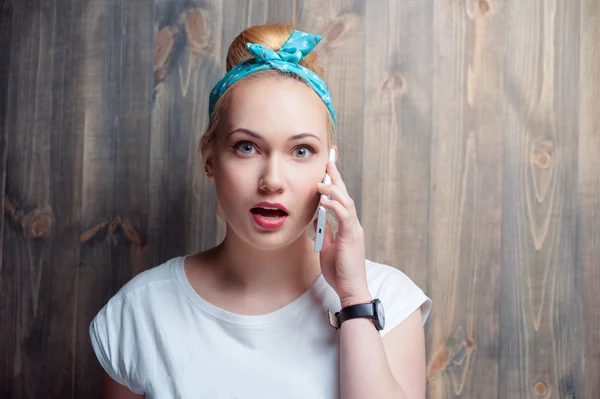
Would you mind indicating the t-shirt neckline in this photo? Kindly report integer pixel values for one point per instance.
(263, 320)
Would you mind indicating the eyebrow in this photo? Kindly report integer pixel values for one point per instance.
(258, 136)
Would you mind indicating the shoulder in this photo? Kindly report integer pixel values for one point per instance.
(139, 295)
(399, 295)
(379, 274)
(121, 333)
(147, 279)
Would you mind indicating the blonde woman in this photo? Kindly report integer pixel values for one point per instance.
(262, 315)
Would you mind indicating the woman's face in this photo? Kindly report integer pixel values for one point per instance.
(272, 147)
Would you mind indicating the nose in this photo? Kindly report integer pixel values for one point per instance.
(271, 177)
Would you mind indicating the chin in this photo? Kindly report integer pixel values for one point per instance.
(271, 241)
(269, 245)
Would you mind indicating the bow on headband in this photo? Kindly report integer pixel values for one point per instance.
(296, 47)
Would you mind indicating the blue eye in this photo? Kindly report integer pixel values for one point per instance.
(245, 147)
(303, 151)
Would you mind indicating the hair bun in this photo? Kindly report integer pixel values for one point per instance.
(271, 36)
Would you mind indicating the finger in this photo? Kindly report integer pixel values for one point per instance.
(336, 177)
(328, 252)
(342, 214)
(328, 237)
(339, 195)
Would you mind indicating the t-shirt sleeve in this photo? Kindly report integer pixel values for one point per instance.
(110, 334)
(400, 297)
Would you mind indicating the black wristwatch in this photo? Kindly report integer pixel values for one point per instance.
(372, 310)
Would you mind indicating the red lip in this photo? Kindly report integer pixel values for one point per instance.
(270, 205)
(269, 223)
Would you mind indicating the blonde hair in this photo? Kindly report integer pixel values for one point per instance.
(270, 36)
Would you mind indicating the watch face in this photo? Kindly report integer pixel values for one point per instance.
(379, 314)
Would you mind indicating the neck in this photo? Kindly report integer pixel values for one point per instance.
(293, 268)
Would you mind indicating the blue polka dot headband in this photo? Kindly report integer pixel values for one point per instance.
(296, 47)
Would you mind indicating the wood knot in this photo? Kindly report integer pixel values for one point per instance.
(395, 83)
(197, 31)
(541, 158)
(484, 6)
(340, 28)
(113, 224)
(110, 228)
(439, 361)
(335, 32)
(35, 224)
(454, 359)
(541, 389)
(38, 224)
(132, 235)
(163, 46)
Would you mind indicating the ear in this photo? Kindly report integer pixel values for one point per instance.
(337, 152)
(208, 169)
(207, 156)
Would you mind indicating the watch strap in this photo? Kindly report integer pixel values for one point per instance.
(357, 311)
(361, 310)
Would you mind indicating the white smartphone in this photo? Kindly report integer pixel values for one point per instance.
(322, 212)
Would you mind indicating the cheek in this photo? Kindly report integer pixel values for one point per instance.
(235, 177)
(307, 189)
(232, 185)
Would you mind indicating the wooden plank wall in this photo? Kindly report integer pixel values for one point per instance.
(470, 140)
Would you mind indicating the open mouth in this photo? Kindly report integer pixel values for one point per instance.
(269, 213)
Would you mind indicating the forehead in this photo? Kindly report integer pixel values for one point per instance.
(276, 106)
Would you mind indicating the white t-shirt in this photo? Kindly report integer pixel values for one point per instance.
(159, 337)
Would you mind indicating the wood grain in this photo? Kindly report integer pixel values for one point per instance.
(587, 270)
(541, 307)
(397, 135)
(470, 141)
(116, 164)
(465, 202)
(6, 11)
(278, 11)
(182, 200)
(341, 53)
(7, 295)
(39, 273)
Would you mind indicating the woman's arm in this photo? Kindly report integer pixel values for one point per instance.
(392, 367)
(113, 390)
(370, 367)
(405, 352)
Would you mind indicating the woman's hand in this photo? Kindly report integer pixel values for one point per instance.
(343, 258)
